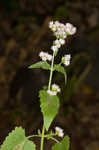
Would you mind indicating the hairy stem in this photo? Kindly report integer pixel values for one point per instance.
(51, 73)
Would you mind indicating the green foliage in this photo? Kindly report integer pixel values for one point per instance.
(46, 66)
(63, 145)
(29, 145)
(49, 104)
(41, 64)
(16, 140)
(49, 107)
(61, 69)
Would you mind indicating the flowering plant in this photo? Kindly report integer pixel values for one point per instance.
(49, 101)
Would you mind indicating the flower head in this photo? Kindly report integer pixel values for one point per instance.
(57, 43)
(50, 92)
(66, 59)
(54, 48)
(51, 24)
(60, 30)
(62, 41)
(54, 90)
(45, 56)
(59, 131)
(70, 29)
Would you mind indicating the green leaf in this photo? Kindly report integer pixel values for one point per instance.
(29, 145)
(19, 146)
(63, 145)
(49, 107)
(14, 138)
(41, 64)
(61, 69)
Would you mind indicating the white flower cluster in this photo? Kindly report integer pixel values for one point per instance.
(59, 131)
(62, 30)
(45, 56)
(57, 44)
(55, 89)
(66, 59)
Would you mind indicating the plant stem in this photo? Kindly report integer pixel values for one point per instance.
(54, 139)
(51, 73)
(33, 136)
(49, 85)
(42, 138)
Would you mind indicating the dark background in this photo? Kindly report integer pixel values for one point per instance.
(24, 33)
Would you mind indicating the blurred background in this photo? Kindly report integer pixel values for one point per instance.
(24, 33)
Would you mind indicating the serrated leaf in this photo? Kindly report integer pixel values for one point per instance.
(29, 145)
(63, 145)
(41, 64)
(14, 138)
(61, 69)
(49, 107)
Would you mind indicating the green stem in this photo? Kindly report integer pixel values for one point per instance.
(54, 140)
(49, 85)
(33, 136)
(36, 135)
(42, 138)
(51, 72)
